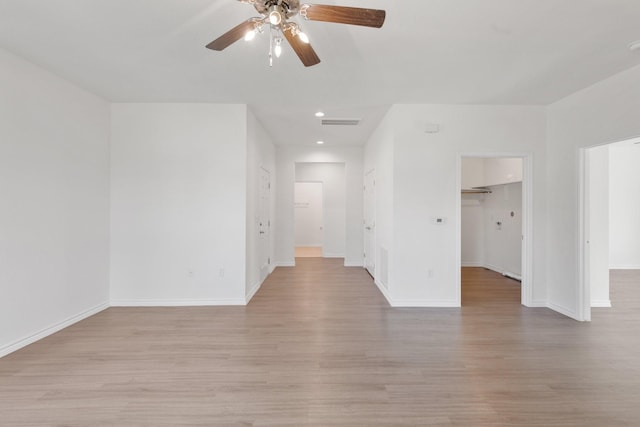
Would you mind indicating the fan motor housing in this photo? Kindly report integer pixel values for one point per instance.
(291, 7)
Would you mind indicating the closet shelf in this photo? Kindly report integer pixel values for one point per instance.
(476, 191)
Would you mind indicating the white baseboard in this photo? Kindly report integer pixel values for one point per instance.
(472, 264)
(252, 292)
(384, 291)
(17, 345)
(563, 310)
(285, 264)
(400, 303)
(625, 267)
(502, 271)
(176, 303)
(330, 255)
(601, 303)
(425, 303)
(538, 304)
(353, 263)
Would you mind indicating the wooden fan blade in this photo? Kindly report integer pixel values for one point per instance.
(344, 15)
(304, 50)
(233, 35)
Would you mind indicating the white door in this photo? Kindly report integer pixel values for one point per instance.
(309, 214)
(264, 223)
(370, 222)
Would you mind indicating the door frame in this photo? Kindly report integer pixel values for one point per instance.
(322, 207)
(584, 226)
(265, 229)
(373, 243)
(526, 296)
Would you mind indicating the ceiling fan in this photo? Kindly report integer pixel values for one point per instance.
(278, 14)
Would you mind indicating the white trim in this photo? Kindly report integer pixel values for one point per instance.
(177, 302)
(414, 303)
(353, 263)
(458, 230)
(472, 264)
(252, 292)
(526, 268)
(326, 255)
(538, 304)
(563, 310)
(17, 345)
(384, 291)
(505, 273)
(625, 267)
(601, 304)
(284, 264)
(425, 303)
(583, 291)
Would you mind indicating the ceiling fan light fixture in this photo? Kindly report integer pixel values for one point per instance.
(319, 114)
(250, 35)
(278, 48)
(275, 15)
(303, 37)
(278, 14)
(320, 142)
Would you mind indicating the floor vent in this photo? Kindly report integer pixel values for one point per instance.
(340, 122)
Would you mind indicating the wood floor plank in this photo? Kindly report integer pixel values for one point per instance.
(319, 346)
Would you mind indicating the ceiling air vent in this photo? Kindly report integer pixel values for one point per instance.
(340, 122)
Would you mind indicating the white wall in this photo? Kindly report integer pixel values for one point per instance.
(178, 204)
(603, 113)
(378, 156)
(332, 176)
(54, 203)
(308, 214)
(625, 206)
(425, 186)
(472, 230)
(286, 159)
(598, 234)
(261, 153)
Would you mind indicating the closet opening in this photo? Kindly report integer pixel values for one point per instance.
(494, 215)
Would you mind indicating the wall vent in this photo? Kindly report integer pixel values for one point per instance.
(340, 122)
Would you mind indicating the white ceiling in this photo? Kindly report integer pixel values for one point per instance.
(428, 51)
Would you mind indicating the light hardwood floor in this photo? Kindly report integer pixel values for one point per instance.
(319, 346)
(308, 252)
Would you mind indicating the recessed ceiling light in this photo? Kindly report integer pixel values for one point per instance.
(320, 142)
(319, 114)
(634, 46)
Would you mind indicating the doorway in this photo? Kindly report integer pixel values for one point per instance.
(309, 232)
(324, 234)
(493, 220)
(609, 217)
